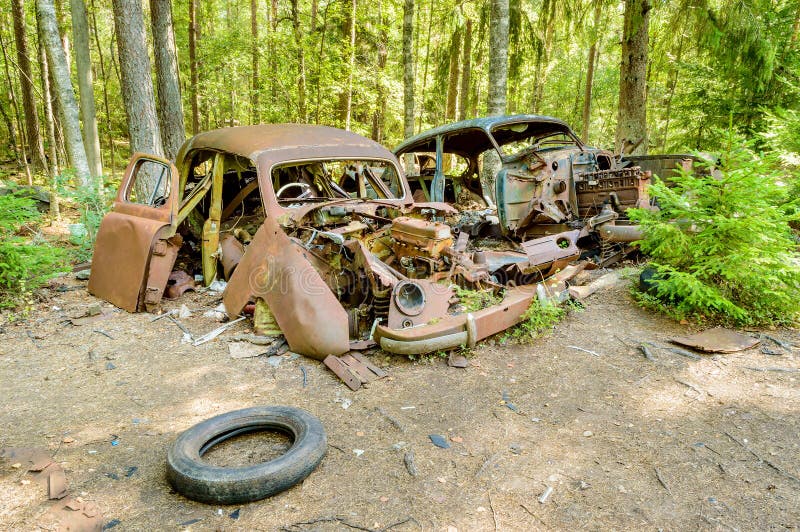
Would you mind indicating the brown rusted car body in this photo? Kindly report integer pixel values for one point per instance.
(317, 228)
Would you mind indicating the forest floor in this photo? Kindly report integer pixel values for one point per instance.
(624, 442)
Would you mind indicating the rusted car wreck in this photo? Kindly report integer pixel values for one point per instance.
(318, 229)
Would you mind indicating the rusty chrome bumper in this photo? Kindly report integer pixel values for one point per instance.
(466, 329)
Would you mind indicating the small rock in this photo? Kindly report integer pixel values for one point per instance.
(588, 433)
(16, 466)
(68, 440)
(584, 485)
(346, 403)
(25, 482)
(442, 480)
(110, 366)
(83, 275)
(456, 439)
(439, 441)
(274, 361)
(515, 448)
(358, 452)
(384, 499)
(359, 433)
(93, 309)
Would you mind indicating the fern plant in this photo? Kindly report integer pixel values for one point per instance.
(721, 242)
(24, 263)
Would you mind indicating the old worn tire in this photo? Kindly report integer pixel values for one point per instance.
(198, 480)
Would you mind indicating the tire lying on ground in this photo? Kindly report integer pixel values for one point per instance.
(201, 481)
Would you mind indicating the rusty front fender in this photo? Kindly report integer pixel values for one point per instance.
(275, 268)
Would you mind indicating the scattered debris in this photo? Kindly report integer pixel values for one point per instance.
(594, 354)
(411, 466)
(392, 421)
(647, 354)
(661, 480)
(216, 332)
(354, 369)
(717, 340)
(543, 497)
(506, 400)
(780, 370)
(767, 351)
(305, 375)
(178, 283)
(744, 446)
(777, 341)
(217, 313)
(358, 452)
(104, 333)
(682, 352)
(253, 339)
(235, 514)
(608, 280)
(457, 361)
(439, 441)
(184, 312)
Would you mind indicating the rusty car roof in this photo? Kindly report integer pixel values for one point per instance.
(253, 141)
(425, 140)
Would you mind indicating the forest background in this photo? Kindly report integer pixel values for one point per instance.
(87, 82)
(390, 68)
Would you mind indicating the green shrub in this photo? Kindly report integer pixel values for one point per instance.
(92, 205)
(537, 320)
(24, 263)
(722, 244)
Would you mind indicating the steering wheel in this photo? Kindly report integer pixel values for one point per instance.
(306, 190)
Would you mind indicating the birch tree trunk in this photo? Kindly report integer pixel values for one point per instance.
(12, 130)
(33, 138)
(70, 122)
(170, 107)
(498, 58)
(136, 82)
(194, 82)
(49, 123)
(49, 120)
(83, 62)
(587, 94)
(408, 68)
(631, 137)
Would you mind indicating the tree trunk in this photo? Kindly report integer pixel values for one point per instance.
(351, 66)
(49, 120)
(194, 82)
(136, 82)
(170, 106)
(587, 94)
(12, 130)
(50, 126)
(424, 91)
(32, 136)
(301, 62)
(70, 121)
(254, 52)
(498, 59)
(543, 55)
(109, 134)
(466, 71)
(408, 68)
(83, 62)
(380, 63)
(453, 75)
(631, 137)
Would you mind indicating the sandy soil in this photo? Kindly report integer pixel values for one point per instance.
(624, 442)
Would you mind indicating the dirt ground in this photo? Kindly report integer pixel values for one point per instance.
(624, 442)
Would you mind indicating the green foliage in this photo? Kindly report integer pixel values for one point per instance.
(24, 264)
(722, 244)
(537, 320)
(92, 205)
(474, 300)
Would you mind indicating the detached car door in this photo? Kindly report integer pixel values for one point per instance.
(136, 244)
